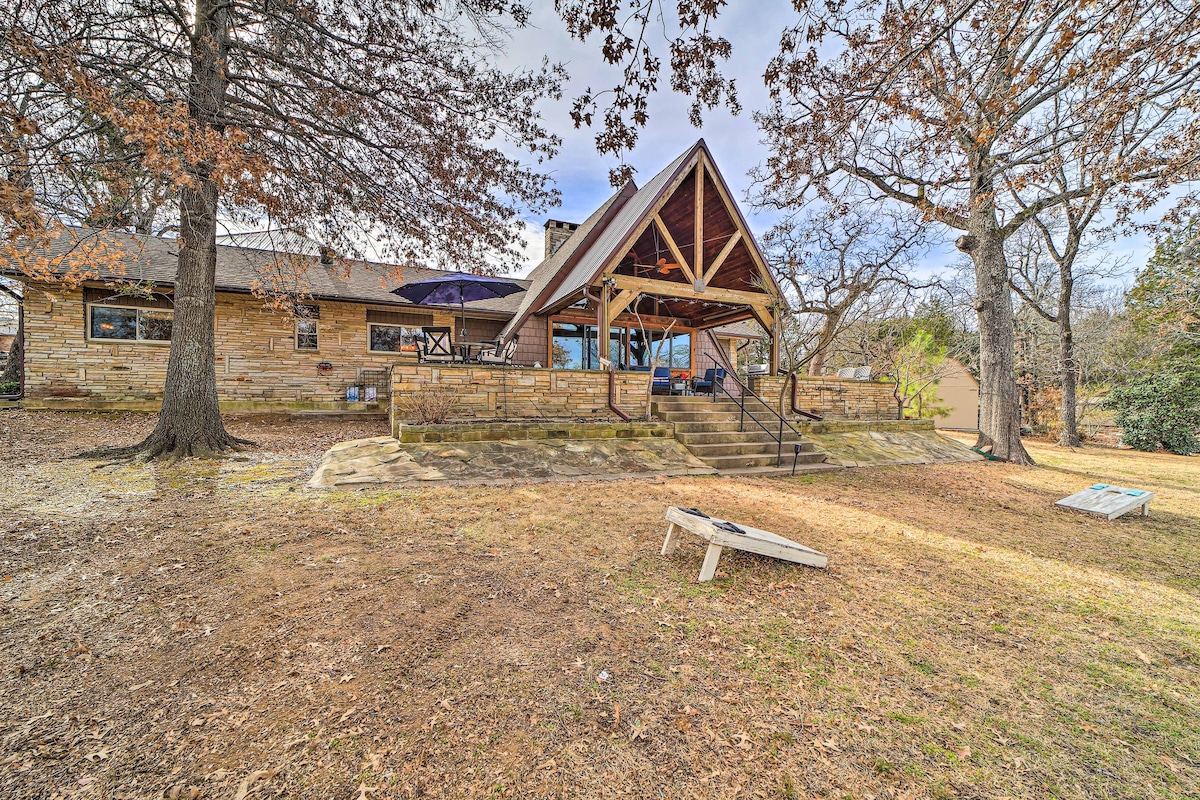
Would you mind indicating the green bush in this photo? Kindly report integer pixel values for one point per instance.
(1161, 409)
(11, 387)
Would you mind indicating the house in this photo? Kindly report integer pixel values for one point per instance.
(670, 267)
(958, 391)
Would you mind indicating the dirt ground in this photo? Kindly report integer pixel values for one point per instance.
(216, 630)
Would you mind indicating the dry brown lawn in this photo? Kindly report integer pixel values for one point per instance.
(216, 630)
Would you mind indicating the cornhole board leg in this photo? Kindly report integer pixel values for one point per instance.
(709, 568)
(672, 541)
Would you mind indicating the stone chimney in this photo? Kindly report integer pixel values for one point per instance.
(557, 233)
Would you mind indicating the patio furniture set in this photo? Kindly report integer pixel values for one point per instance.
(436, 347)
(665, 383)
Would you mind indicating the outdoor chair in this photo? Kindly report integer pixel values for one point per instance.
(706, 385)
(660, 383)
(497, 355)
(436, 347)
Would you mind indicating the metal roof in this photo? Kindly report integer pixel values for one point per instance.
(544, 273)
(622, 227)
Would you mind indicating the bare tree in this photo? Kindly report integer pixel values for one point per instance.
(957, 109)
(351, 118)
(1048, 276)
(830, 261)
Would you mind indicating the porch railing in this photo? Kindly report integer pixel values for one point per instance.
(776, 435)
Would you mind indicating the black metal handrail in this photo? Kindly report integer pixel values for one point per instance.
(742, 412)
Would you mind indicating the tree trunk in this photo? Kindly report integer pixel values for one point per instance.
(999, 402)
(12, 368)
(1069, 435)
(189, 423)
(816, 364)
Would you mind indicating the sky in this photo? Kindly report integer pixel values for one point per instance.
(581, 174)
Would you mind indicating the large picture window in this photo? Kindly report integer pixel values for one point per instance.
(127, 324)
(393, 338)
(576, 346)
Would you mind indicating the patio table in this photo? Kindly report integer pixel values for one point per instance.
(465, 349)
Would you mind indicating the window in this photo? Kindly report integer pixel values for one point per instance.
(119, 323)
(576, 346)
(673, 348)
(393, 338)
(306, 326)
(306, 334)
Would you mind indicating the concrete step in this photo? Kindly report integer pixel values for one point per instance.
(699, 416)
(688, 404)
(725, 437)
(761, 460)
(783, 472)
(711, 426)
(707, 451)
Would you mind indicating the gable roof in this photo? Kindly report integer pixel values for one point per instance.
(610, 230)
(150, 258)
(622, 226)
(547, 275)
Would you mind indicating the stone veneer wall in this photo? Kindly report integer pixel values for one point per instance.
(508, 431)
(518, 393)
(832, 398)
(258, 367)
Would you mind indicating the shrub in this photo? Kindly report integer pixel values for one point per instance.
(1161, 409)
(10, 387)
(432, 405)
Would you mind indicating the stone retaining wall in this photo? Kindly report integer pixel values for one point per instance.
(510, 431)
(832, 398)
(515, 393)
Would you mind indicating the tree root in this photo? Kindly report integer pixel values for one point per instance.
(167, 448)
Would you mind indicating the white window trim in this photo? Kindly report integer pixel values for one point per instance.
(139, 309)
(296, 336)
(390, 325)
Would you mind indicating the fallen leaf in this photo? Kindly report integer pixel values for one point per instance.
(1142, 656)
(250, 780)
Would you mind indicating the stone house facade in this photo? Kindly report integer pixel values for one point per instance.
(667, 273)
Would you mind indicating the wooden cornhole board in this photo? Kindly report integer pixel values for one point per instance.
(1109, 501)
(753, 540)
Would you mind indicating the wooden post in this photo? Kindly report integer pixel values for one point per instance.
(698, 237)
(776, 329)
(602, 343)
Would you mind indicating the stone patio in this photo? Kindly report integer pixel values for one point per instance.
(384, 460)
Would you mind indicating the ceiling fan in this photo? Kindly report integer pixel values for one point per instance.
(661, 265)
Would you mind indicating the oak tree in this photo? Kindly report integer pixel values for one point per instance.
(354, 119)
(829, 262)
(964, 110)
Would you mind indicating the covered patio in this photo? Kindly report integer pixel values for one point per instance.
(648, 276)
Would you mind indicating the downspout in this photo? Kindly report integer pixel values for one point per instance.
(612, 375)
(797, 411)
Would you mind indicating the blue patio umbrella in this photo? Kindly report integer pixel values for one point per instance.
(457, 287)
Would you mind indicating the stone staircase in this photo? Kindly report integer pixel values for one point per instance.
(710, 431)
